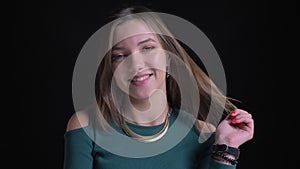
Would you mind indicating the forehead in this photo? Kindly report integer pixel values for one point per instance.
(132, 28)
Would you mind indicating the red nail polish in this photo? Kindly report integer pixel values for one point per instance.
(232, 113)
(234, 119)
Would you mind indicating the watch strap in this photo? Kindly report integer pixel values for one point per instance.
(226, 149)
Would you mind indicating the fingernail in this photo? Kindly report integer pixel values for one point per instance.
(234, 119)
(232, 113)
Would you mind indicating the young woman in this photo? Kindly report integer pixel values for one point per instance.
(146, 96)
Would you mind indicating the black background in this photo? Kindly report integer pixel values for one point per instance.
(47, 37)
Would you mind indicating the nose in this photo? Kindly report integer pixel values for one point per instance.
(135, 62)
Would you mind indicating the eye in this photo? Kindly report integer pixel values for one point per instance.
(117, 57)
(148, 48)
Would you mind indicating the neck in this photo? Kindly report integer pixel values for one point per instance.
(147, 112)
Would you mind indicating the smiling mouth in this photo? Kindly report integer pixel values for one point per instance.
(141, 78)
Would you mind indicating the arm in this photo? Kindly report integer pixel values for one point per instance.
(78, 145)
(234, 130)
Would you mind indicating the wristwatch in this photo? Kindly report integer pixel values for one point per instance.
(226, 149)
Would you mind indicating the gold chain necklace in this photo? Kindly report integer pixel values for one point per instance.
(146, 139)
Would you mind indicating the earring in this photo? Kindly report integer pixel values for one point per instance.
(168, 75)
(167, 72)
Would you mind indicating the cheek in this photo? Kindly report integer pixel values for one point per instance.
(157, 60)
(114, 67)
(120, 75)
(118, 83)
(161, 75)
(117, 72)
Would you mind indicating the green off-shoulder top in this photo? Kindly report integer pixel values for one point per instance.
(83, 151)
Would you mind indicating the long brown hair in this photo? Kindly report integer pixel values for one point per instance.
(207, 89)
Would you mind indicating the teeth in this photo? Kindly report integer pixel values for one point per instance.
(140, 78)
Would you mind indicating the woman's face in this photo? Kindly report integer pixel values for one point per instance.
(138, 60)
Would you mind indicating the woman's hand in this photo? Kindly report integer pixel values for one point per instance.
(235, 129)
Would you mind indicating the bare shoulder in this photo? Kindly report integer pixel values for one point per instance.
(78, 120)
(204, 126)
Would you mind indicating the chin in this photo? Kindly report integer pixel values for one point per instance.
(139, 96)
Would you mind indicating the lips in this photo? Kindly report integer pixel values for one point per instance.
(141, 79)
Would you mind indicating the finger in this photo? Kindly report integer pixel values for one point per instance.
(245, 123)
(231, 115)
(238, 113)
(243, 116)
(245, 120)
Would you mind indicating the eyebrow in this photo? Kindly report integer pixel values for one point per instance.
(140, 43)
(146, 40)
